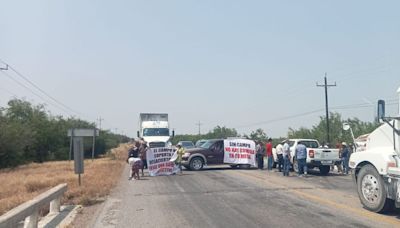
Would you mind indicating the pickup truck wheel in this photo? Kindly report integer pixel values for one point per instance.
(295, 166)
(244, 166)
(371, 190)
(324, 169)
(196, 163)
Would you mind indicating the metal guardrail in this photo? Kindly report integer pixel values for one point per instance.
(29, 211)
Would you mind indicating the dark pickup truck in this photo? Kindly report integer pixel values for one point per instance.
(211, 152)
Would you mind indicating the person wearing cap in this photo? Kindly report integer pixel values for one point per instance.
(345, 158)
(180, 151)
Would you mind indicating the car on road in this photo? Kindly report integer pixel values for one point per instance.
(211, 152)
(186, 144)
(200, 142)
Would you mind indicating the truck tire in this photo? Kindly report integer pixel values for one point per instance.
(295, 166)
(371, 190)
(196, 163)
(324, 169)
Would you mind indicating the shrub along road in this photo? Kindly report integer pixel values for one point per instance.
(223, 197)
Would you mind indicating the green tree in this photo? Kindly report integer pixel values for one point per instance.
(258, 135)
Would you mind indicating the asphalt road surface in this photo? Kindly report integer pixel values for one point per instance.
(225, 197)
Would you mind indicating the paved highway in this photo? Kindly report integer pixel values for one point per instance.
(224, 197)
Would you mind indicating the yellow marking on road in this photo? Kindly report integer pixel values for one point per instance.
(360, 212)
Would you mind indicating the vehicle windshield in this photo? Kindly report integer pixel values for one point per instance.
(156, 132)
(310, 144)
(187, 144)
(207, 144)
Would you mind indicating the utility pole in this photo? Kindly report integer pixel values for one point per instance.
(100, 120)
(326, 85)
(199, 124)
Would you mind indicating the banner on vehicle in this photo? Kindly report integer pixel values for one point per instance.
(158, 162)
(240, 151)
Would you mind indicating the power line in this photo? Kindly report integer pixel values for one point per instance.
(281, 119)
(38, 88)
(34, 93)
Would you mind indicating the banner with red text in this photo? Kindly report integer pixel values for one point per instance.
(158, 162)
(240, 151)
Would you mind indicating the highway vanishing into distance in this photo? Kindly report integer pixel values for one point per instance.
(225, 197)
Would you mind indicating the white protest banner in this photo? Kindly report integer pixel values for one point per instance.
(158, 162)
(240, 151)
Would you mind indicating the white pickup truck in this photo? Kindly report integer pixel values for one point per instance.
(317, 157)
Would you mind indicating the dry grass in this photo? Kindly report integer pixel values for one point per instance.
(25, 182)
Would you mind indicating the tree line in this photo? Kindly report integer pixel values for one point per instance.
(317, 131)
(29, 133)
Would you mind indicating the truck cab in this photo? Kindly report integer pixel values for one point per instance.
(154, 129)
(376, 169)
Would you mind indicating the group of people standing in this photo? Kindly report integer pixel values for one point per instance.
(137, 159)
(300, 153)
(282, 152)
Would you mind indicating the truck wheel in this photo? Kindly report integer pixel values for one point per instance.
(371, 190)
(324, 169)
(295, 166)
(196, 163)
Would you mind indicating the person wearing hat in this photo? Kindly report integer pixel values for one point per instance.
(345, 158)
(180, 151)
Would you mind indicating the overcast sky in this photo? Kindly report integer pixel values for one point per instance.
(240, 64)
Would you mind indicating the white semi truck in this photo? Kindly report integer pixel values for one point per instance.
(154, 129)
(376, 168)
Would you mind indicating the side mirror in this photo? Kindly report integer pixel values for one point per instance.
(381, 110)
(346, 126)
(138, 134)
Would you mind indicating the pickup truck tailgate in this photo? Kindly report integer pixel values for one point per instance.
(325, 154)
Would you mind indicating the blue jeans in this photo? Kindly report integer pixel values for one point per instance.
(345, 165)
(286, 165)
(302, 165)
(270, 161)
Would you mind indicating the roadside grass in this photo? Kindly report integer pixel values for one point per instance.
(23, 183)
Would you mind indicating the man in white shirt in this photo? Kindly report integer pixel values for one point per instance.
(279, 154)
(286, 158)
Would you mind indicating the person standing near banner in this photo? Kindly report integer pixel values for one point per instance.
(143, 156)
(260, 155)
(180, 151)
(268, 148)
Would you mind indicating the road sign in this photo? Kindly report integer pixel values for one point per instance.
(83, 132)
(78, 155)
